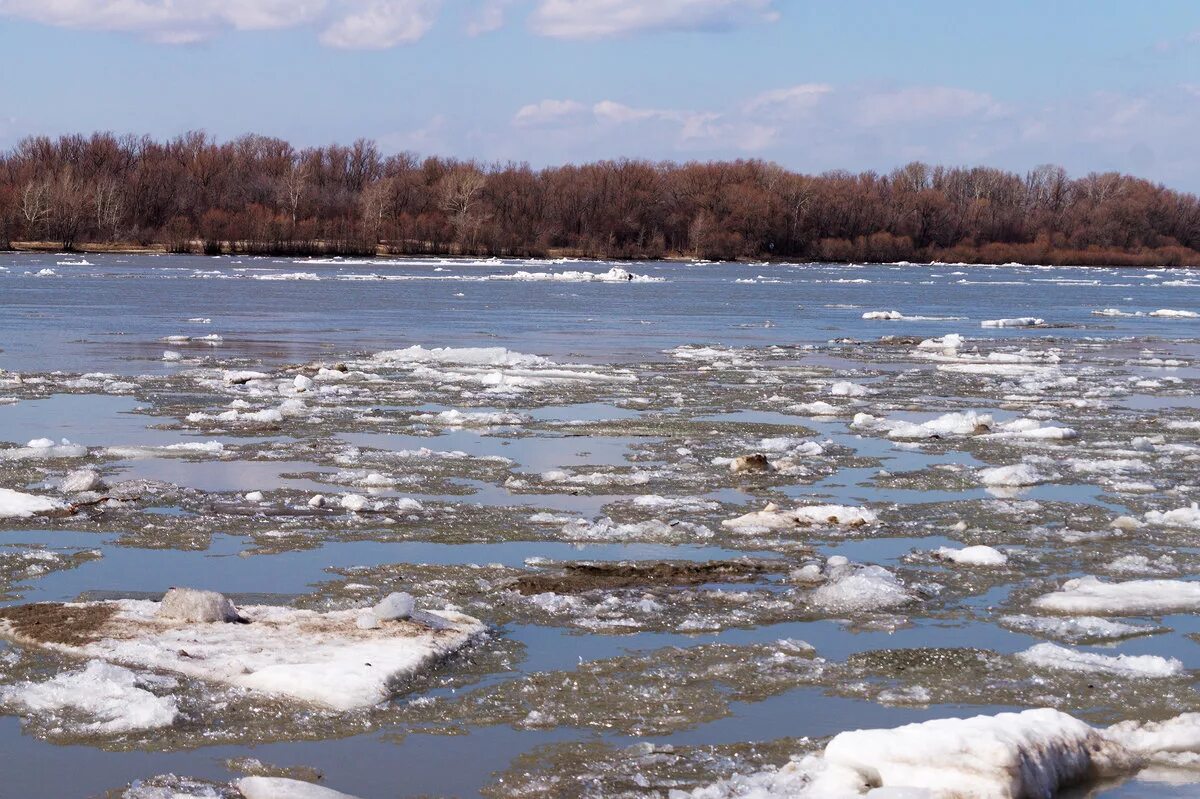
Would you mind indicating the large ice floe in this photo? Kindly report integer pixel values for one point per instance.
(614, 275)
(1092, 596)
(493, 369)
(1033, 754)
(19, 505)
(325, 659)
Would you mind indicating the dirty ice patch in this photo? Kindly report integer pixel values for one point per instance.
(110, 698)
(318, 658)
(773, 519)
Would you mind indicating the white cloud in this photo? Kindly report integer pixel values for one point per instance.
(926, 104)
(793, 99)
(620, 114)
(345, 23)
(687, 130)
(489, 16)
(379, 24)
(548, 112)
(590, 19)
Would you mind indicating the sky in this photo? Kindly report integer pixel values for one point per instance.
(815, 85)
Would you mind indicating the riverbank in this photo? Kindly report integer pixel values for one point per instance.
(990, 255)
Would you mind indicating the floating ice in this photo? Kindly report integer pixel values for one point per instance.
(112, 699)
(1007, 756)
(1052, 656)
(456, 418)
(283, 788)
(79, 481)
(392, 607)
(1076, 629)
(1170, 313)
(855, 588)
(44, 449)
(956, 424)
(319, 658)
(17, 505)
(1017, 475)
(980, 555)
(287, 276)
(1180, 517)
(845, 388)
(193, 605)
(771, 518)
(614, 275)
(1021, 321)
(1131, 598)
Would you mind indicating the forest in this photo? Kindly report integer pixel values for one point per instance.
(261, 195)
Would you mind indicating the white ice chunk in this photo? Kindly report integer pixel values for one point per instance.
(1016, 475)
(1020, 321)
(18, 505)
(112, 698)
(1131, 598)
(283, 788)
(1053, 656)
(980, 555)
(79, 480)
(193, 605)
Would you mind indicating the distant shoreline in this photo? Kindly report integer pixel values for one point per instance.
(257, 195)
(1100, 259)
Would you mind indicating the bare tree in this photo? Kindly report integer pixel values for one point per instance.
(69, 209)
(295, 184)
(458, 191)
(35, 206)
(109, 203)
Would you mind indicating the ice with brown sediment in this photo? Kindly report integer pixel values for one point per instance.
(772, 518)
(324, 659)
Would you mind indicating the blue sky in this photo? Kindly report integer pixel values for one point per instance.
(814, 85)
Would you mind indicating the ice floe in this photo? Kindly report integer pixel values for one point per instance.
(111, 699)
(19, 505)
(1090, 595)
(320, 658)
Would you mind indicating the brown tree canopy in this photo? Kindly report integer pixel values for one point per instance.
(262, 195)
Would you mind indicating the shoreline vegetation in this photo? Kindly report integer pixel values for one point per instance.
(256, 195)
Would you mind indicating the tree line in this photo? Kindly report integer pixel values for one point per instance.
(261, 195)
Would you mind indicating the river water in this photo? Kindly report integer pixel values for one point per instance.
(539, 416)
